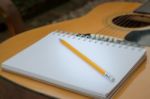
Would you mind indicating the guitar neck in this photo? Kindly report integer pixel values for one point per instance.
(144, 9)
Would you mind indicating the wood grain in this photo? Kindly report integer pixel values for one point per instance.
(137, 85)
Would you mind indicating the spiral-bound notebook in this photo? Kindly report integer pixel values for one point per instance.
(49, 61)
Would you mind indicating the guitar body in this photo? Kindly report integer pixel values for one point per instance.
(116, 19)
(101, 20)
(104, 19)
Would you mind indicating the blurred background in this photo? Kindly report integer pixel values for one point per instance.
(16, 14)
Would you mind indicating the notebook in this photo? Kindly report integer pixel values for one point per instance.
(50, 62)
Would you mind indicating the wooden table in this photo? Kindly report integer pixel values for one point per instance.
(19, 87)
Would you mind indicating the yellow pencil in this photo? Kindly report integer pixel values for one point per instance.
(87, 60)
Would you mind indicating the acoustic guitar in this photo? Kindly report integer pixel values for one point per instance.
(118, 19)
(136, 22)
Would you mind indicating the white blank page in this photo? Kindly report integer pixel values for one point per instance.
(49, 61)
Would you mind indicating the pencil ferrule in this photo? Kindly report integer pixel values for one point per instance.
(109, 76)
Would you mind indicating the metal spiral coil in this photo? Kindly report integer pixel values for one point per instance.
(99, 38)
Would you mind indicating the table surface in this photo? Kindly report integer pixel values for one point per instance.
(137, 85)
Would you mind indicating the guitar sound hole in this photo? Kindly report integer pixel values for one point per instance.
(132, 21)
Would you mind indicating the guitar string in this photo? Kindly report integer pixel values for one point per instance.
(124, 22)
(121, 22)
(107, 29)
(130, 24)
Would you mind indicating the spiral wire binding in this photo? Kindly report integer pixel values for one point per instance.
(99, 38)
